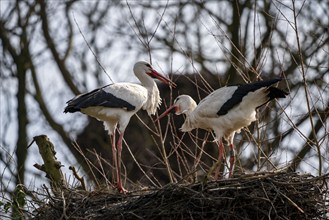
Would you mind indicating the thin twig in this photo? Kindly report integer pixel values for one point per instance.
(99, 63)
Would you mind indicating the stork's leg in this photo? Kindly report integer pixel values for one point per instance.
(114, 155)
(119, 148)
(232, 160)
(220, 158)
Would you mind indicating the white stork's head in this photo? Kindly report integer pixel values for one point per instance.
(145, 72)
(183, 104)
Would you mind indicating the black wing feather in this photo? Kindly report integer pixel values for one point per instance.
(243, 90)
(97, 97)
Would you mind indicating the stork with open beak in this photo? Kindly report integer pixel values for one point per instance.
(225, 111)
(116, 103)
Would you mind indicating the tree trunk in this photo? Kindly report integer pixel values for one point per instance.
(21, 146)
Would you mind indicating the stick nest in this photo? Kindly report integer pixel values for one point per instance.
(258, 196)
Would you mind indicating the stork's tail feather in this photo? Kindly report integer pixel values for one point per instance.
(276, 93)
(71, 108)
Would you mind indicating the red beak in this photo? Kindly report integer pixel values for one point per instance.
(171, 109)
(162, 78)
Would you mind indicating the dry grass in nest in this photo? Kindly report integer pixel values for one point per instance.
(268, 195)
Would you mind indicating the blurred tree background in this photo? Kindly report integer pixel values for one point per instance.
(54, 50)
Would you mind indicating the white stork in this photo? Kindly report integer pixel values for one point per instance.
(225, 111)
(114, 104)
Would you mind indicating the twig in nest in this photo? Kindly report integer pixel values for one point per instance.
(64, 215)
(292, 202)
(80, 178)
(48, 193)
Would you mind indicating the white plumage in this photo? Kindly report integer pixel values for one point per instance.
(134, 94)
(225, 111)
(115, 104)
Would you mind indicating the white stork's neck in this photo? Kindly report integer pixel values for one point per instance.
(190, 121)
(153, 99)
(153, 95)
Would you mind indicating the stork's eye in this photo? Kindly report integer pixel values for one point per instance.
(176, 100)
(148, 65)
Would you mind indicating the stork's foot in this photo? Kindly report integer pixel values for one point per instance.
(232, 163)
(121, 189)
